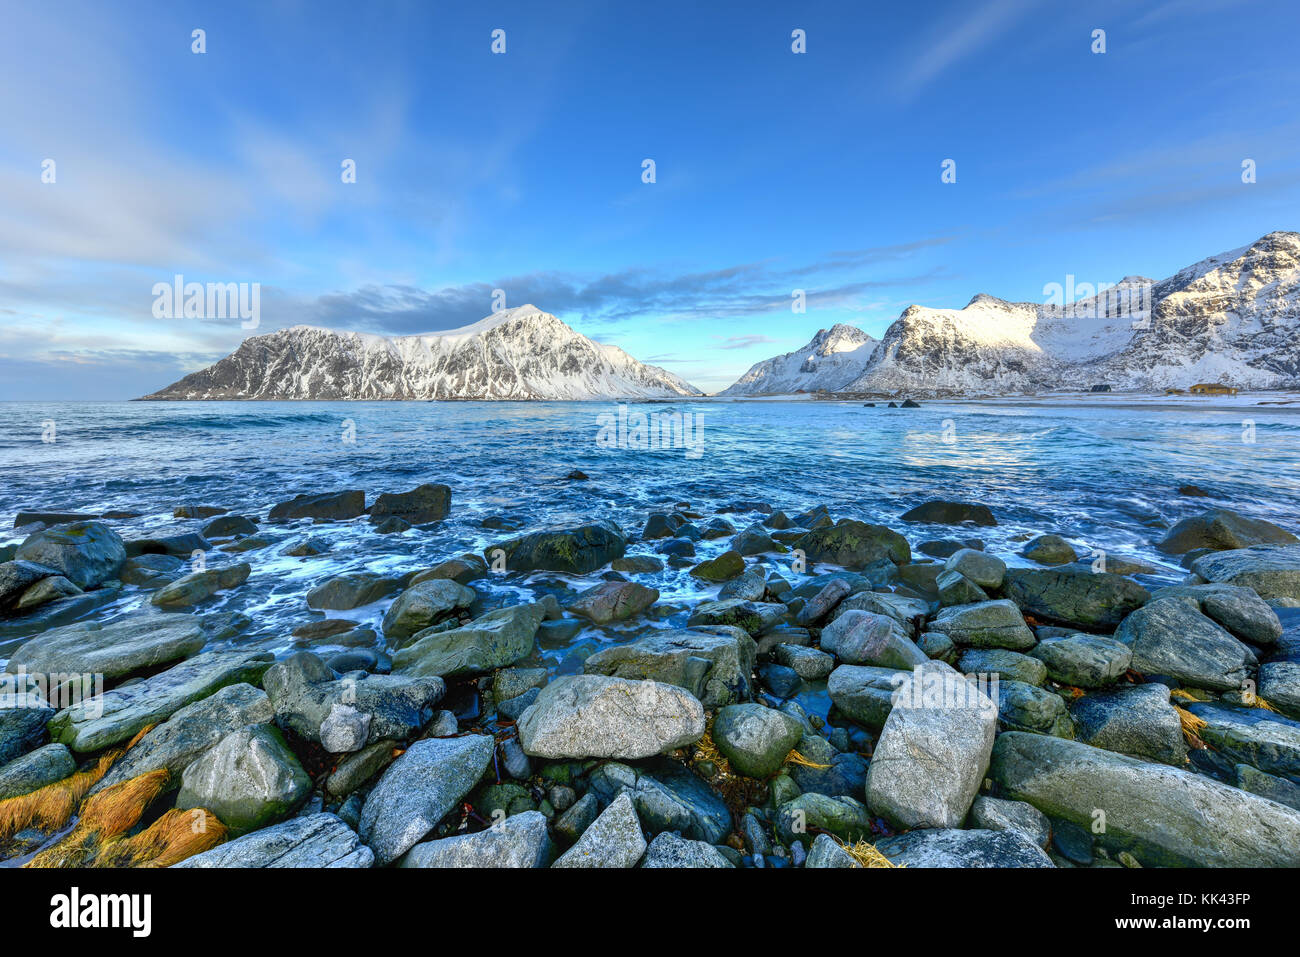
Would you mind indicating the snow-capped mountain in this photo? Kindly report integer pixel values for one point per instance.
(1233, 318)
(519, 353)
(834, 358)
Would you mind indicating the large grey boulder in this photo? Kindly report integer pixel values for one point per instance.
(669, 850)
(518, 841)
(418, 789)
(1050, 550)
(933, 750)
(314, 840)
(989, 624)
(827, 852)
(1084, 661)
(23, 729)
(613, 601)
(810, 812)
(998, 814)
(714, 664)
(667, 797)
(86, 553)
(16, 577)
(1163, 816)
(1171, 637)
(863, 693)
(755, 740)
(578, 550)
(249, 779)
(1272, 571)
(1007, 665)
(854, 545)
(985, 570)
(954, 848)
(1024, 707)
(427, 503)
(614, 839)
(1073, 595)
(941, 512)
(423, 605)
(755, 617)
(494, 640)
(1139, 721)
(1236, 608)
(201, 585)
(866, 638)
(121, 648)
(36, 769)
(187, 734)
(594, 716)
(1254, 736)
(126, 710)
(1222, 529)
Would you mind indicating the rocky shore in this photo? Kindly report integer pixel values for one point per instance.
(833, 693)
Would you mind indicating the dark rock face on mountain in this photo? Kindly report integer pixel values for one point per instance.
(834, 358)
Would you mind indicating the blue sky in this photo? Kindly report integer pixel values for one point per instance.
(522, 171)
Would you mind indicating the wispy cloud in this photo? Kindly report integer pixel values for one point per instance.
(949, 45)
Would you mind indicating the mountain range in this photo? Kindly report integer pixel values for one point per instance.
(1232, 318)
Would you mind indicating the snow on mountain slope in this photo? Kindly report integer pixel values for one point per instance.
(1234, 318)
(833, 359)
(520, 353)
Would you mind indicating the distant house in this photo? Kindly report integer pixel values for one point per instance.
(1174, 392)
(1100, 388)
(1213, 388)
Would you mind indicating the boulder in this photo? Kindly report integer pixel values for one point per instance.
(1279, 685)
(520, 840)
(754, 617)
(755, 740)
(954, 848)
(725, 567)
(116, 650)
(1073, 595)
(180, 544)
(939, 512)
(314, 840)
(1007, 665)
(996, 814)
(614, 839)
(989, 624)
(638, 564)
(864, 638)
(328, 506)
(1237, 609)
(1273, 571)
(667, 797)
(35, 770)
(579, 550)
(228, 526)
(754, 540)
(85, 553)
(1024, 707)
(1222, 529)
(823, 603)
(23, 729)
(418, 789)
(808, 663)
(827, 852)
(1084, 661)
(713, 665)
(854, 545)
(200, 586)
(669, 850)
(249, 780)
(613, 601)
(983, 569)
(1171, 637)
(45, 591)
(423, 605)
(594, 716)
(954, 588)
(1269, 786)
(16, 577)
(1163, 816)
(1050, 550)
(499, 638)
(427, 503)
(1138, 721)
(843, 817)
(750, 586)
(352, 590)
(462, 570)
(1254, 736)
(865, 694)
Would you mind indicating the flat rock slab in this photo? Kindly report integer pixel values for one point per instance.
(1171, 637)
(1273, 571)
(418, 789)
(315, 840)
(122, 712)
(491, 641)
(518, 841)
(669, 850)
(955, 848)
(714, 665)
(113, 650)
(1074, 596)
(614, 839)
(594, 716)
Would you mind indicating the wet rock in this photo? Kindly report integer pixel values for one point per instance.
(352, 590)
(462, 570)
(51, 518)
(937, 646)
(45, 591)
(315, 840)
(933, 750)
(1073, 595)
(637, 564)
(669, 850)
(85, 553)
(499, 638)
(329, 506)
(1007, 665)
(1171, 637)
(517, 841)
(996, 814)
(667, 797)
(427, 503)
(124, 711)
(1139, 721)
(424, 605)
(613, 601)
(358, 767)
(307, 547)
(854, 545)
(1237, 609)
(983, 569)
(579, 550)
(754, 541)
(990, 624)
(52, 614)
(228, 526)
(718, 527)
(661, 525)
(906, 611)
(115, 650)
(1201, 823)
(808, 663)
(1085, 661)
(1222, 529)
(725, 567)
(864, 694)
(714, 666)
(418, 789)
(304, 693)
(1050, 550)
(35, 770)
(939, 512)
(860, 637)
(1273, 571)
(198, 511)
(1267, 741)
(779, 680)
(1268, 786)
(954, 588)
(200, 586)
(823, 603)
(181, 739)
(249, 780)
(755, 740)
(751, 586)
(843, 817)
(594, 716)
(1023, 707)
(953, 848)
(614, 839)
(1279, 685)
(754, 617)
(16, 577)
(578, 817)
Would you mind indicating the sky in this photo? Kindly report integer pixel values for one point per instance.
(523, 171)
